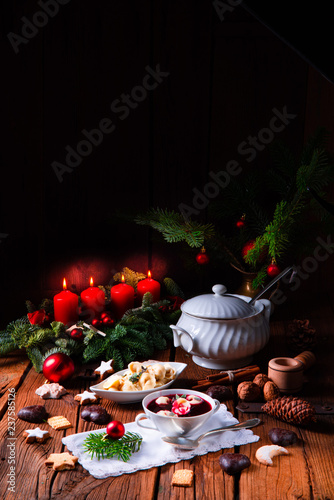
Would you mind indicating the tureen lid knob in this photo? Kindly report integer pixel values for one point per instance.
(219, 289)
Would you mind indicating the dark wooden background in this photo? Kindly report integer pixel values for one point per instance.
(225, 77)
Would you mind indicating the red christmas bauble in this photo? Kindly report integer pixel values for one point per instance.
(273, 270)
(58, 367)
(77, 334)
(115, 429)
(249, 246)
(202, 257)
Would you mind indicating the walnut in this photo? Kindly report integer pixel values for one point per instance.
(270, 391)
(261, 379)
(248, 391)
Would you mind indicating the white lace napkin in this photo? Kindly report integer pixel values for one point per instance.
(154, 452)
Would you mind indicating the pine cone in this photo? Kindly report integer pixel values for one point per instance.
(290, 409)
(301, 336)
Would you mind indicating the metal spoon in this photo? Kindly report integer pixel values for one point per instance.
(272, 283)
(190, 444)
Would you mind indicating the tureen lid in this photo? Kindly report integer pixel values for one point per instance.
(218, 306)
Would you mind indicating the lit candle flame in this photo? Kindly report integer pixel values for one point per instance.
(149, 274)
(64, 284)
(123, 278)
(91, 281)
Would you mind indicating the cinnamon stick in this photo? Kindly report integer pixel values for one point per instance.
(217, 376)
(238, 376)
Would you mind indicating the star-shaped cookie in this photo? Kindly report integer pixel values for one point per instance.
(105, 369)
(61, 461)
(86, 398)
(35, 435)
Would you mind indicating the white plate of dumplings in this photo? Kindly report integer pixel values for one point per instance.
(146, 377)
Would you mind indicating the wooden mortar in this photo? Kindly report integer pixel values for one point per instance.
(286, 373)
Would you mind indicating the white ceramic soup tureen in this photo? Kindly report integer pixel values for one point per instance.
(222, 330)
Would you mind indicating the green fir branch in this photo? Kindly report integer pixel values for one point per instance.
(36, 357)
(172, 288)
(7, 343)
(147, 299)
(175, 228)
(99, 445)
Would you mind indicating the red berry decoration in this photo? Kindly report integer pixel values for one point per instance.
(115, 429)
(273, 270)
(249, 246)
(58, 367)
(202, 257)
(97, 323)
(105, 314)
(77, 334)
(108, 321)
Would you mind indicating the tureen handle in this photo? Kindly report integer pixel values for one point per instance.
(219, 289)
(182, 338)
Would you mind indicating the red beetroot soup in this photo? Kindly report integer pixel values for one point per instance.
(196, 407)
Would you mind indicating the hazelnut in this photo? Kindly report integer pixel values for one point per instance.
(270, 391)
(261, 379)
(248, 391)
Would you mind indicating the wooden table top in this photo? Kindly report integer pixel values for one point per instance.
(306, 473)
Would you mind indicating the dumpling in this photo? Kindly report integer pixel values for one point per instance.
(147, 381)
(159, 371)
(170, 372)
(113, 383)
(135, 367)
(130, 386)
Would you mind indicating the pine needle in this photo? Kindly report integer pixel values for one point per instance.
(101, 446)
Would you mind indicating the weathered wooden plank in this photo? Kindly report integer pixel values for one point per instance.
(28, 478)
(12, 371)
(302, 474)
(285, 479)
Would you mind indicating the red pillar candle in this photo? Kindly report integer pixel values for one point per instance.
(92, 301)
(66, 306)
(122, 298)
(148, 285)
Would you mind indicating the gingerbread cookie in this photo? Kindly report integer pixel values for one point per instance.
(51, 391)
(35, 414)
(86, 398)
(96, 414)
(59, 423)
(105, 369)
(61, 461)
(37, 434)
